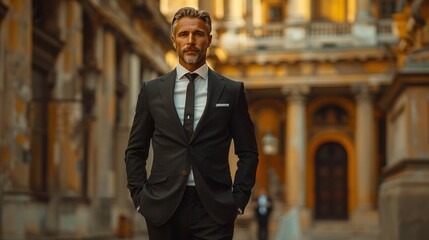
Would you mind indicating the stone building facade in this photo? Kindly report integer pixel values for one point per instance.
(337, 90)
(70, 75)
(320, 78)
(404, 192)
(314, 71)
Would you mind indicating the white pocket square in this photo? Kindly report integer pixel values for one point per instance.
(222, 104)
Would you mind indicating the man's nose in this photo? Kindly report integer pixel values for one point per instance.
(191, 38)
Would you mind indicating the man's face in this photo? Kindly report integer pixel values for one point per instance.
(191, 40)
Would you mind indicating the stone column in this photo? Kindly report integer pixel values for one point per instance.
(365, 153)
(255, 7)
(233, 20)
(297, 10)
(296, 148)
(68, 115)
(106, 107)
(249, 15)
(129, 73)
(233, 14)
(103, 140)
(364, 139)
(95, 79)
(363, 12)
(295, 31)
(134, 86)
(205, 5)
(364, 29)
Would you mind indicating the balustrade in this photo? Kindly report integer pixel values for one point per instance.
(318, 34)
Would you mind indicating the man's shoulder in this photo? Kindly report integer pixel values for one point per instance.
(228, 80)
(157, 80)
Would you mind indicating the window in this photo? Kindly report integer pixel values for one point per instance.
(329, 10)
(387, 8)
(275, 13)
(330, 115)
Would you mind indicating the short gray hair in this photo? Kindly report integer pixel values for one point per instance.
(192, 13)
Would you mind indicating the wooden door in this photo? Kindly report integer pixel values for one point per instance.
(331, 182)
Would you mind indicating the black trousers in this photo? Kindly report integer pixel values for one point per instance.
(191, 221)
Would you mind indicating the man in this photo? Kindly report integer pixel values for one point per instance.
(189, 193)
(263, 209)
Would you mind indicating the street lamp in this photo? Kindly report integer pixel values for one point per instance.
(270, 148)
(90, 76)
(270, 144)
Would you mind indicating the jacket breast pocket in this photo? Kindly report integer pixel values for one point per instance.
(222, 112)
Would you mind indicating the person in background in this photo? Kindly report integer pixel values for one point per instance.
(263, 209)
(190, 115)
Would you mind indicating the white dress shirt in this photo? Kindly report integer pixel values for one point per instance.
(201, 85)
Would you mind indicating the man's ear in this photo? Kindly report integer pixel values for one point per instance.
(172, 41)
(210, 40)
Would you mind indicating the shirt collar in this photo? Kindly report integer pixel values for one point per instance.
(203, 71)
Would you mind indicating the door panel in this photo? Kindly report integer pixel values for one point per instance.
(331, 182)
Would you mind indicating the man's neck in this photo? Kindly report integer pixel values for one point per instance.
(192, 67)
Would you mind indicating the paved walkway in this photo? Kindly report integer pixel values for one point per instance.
(246, 229)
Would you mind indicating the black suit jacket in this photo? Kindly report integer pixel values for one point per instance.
(225, 117)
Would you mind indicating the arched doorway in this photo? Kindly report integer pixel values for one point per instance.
(331, 181)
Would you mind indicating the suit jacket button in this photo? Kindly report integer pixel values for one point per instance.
(184, 173)
(189, 147)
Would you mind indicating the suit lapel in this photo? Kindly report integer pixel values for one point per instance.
(166, 90)
(214, 91)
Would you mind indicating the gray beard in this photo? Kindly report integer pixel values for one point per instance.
(191, 59)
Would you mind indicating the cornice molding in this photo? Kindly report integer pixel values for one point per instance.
(331, 55)
(401, 81)
(140, 42)
(402, 166)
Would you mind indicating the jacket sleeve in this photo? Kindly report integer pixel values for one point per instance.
(246, 149)
(138, 146)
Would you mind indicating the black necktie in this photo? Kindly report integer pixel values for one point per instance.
(188, 122)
